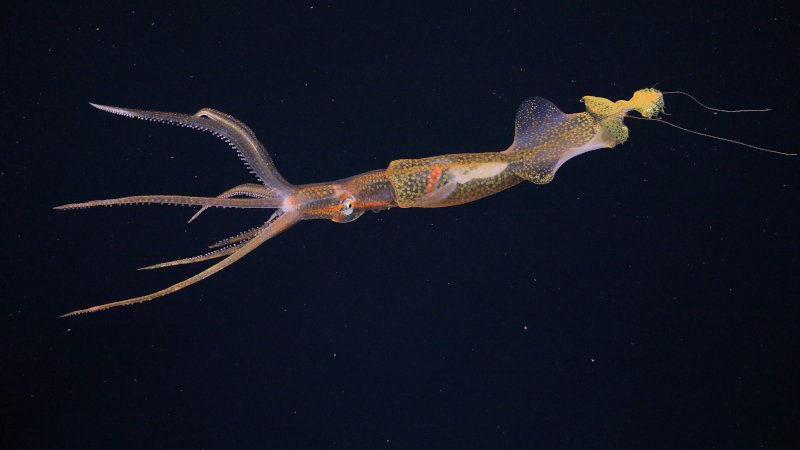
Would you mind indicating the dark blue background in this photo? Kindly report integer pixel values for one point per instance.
(646, 298)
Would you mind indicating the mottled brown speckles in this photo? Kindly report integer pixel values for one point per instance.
(545, 137)
(410, 177)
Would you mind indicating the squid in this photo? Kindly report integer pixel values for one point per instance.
(544, 139)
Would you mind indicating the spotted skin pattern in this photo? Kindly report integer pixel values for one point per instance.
(545, 138)
(414, 179)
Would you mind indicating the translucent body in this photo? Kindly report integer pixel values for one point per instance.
(545, 138)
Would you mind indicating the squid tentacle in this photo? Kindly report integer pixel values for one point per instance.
(247, 190)
(223, 248)
(181, 200)
(270, 229)
(244, 235)
(235, 238)
(219, 253)
(225, 127)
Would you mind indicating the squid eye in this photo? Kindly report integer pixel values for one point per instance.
(347, 206)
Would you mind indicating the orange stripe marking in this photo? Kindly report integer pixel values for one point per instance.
(433, 178)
